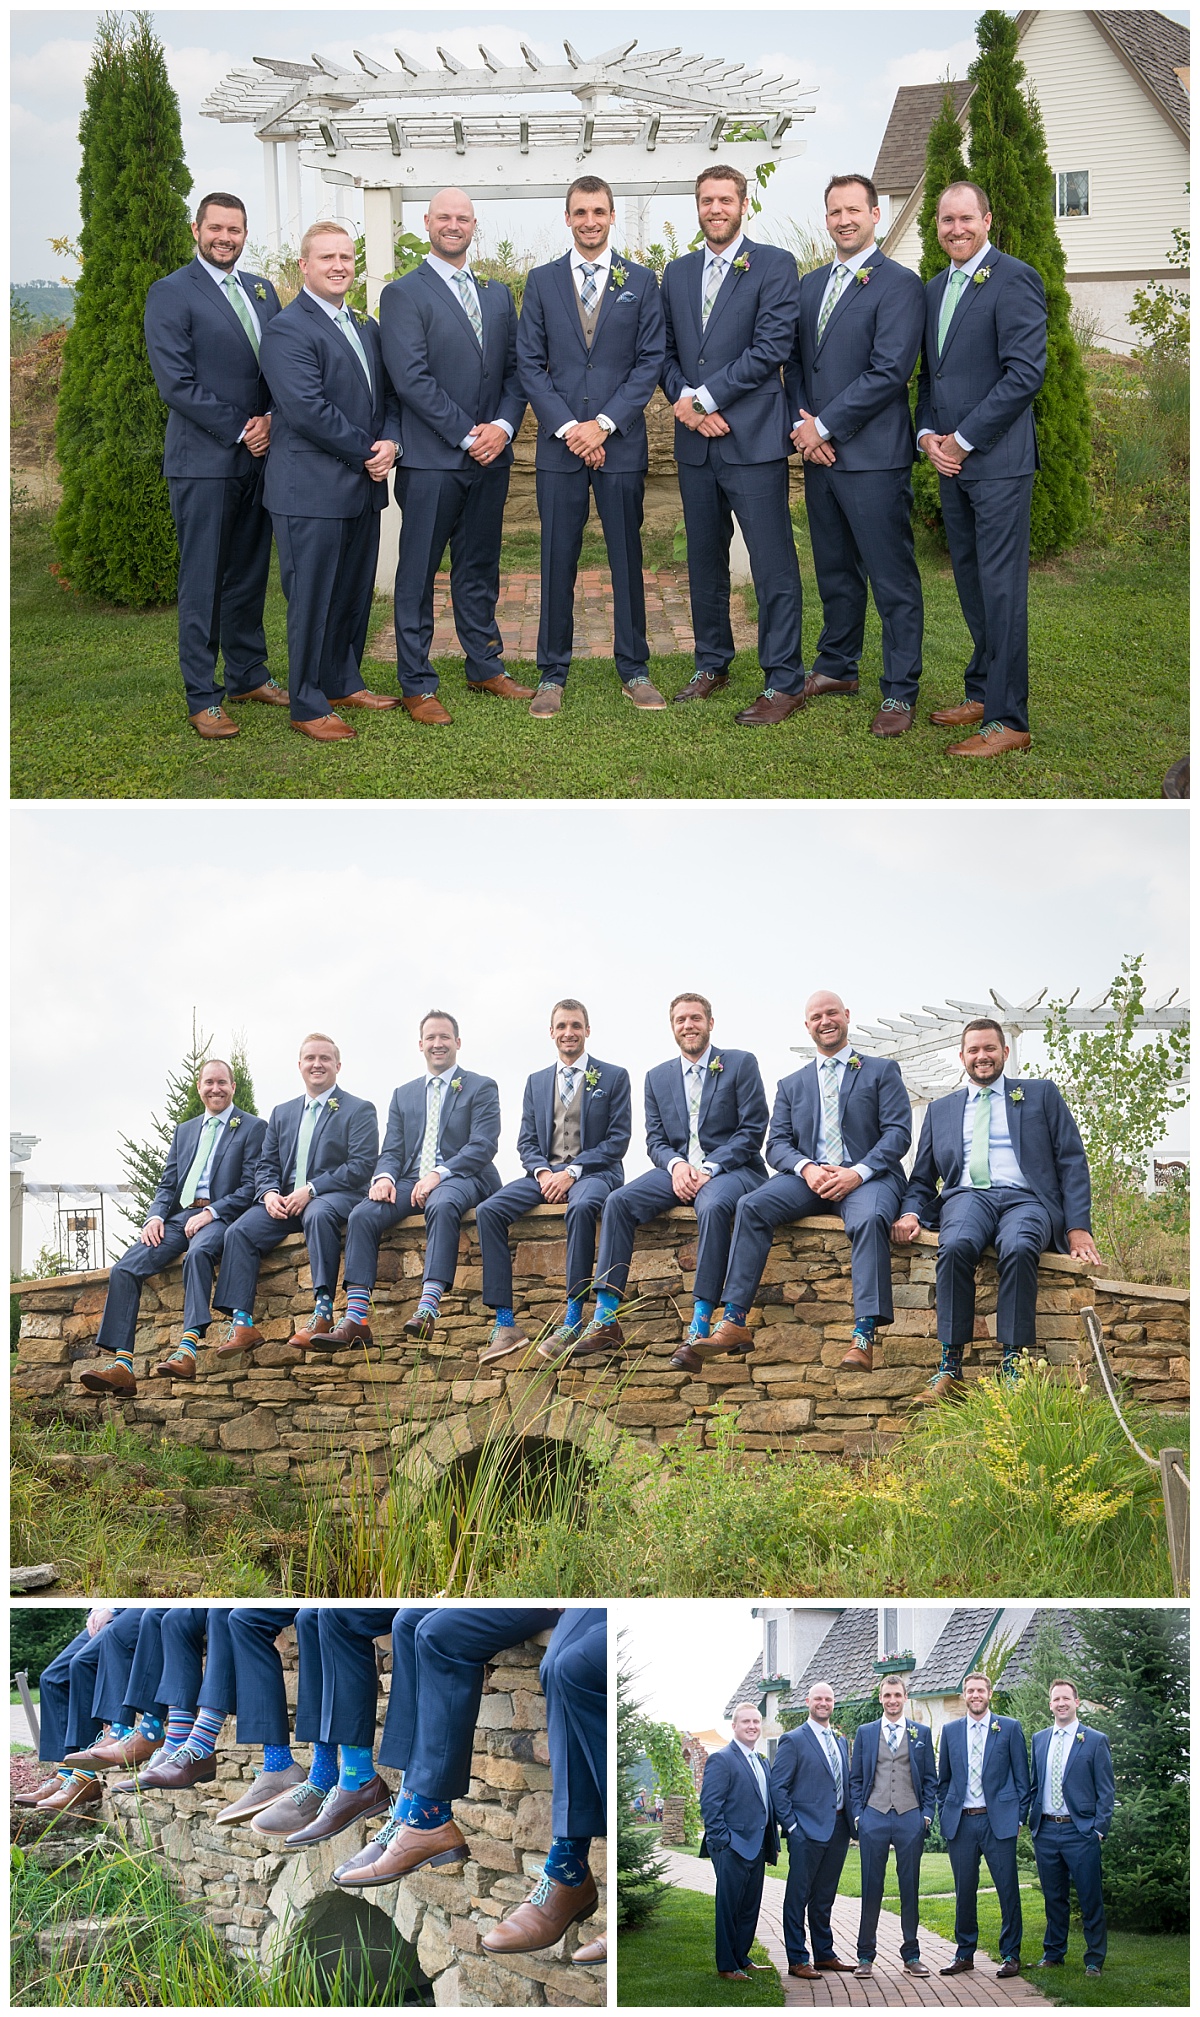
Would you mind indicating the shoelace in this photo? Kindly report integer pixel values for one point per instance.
(214, 711)
(544, 685)
(990, 728)
(390, 1828)
(895, 707)
(639, 679)
(541, 1890)
(300, 1793)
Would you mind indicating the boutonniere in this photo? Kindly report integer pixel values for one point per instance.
(617, 275)
(1016, 1096)
(235, 1122)
(479, 280)
(260, 292)
(912, 1729)
(994, 1726)
(1079, 1736)
(332, 1105)
(741, 264)
(715, 1065)
(854, 1062)
(863, 275)
(978, 278)
(456, 1085)
(591, 1078)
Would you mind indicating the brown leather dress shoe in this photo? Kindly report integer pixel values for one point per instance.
(686, 1360)
(426, 709)
(76, 1793)
(268, 694)
(961, 1965)
(341, 1807)
(326, 728)
(347, 1332)
(858, 1359)
(543, 1918)
(942, 1387)
(421, 1327)
(804, 1970)
(993, 739)
(730, 1337)
(212, 724)
(365, 698)
(547, 700)
(125, 1751)
(316, 1327)
(1009, 1969)
(182, 1768)
(505, 1339)
(769, 709)
(180, 1366)
(502, 686)
(112, 1379)
(963, 716)
(835, 1967)
(733, 1974)
(819, 683)
(242, 1338)
(595, 1342)
(404, 1850)
(892, 719)
(643, 693)
(34, 1799)
(593, 1951)
(703, 685)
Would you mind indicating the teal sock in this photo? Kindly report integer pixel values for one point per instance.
(701, 1324)
(358, 1302)
(418, 1812)
(865, 1329)
(277, 1757)
(607, 1305)
(567, 1861)
(358, 1766)
(505, 1320)
(323, 1304)
(952, 1358)
(431, 1298)
(150, 1727)
(323, 1772)
(205, 1731)
(243, 1320)
(574, 1316)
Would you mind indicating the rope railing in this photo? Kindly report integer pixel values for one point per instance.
(1176, 1486)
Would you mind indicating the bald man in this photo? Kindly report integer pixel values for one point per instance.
(450, 346)
(839, 1131)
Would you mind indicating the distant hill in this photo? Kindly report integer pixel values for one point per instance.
(46, 297)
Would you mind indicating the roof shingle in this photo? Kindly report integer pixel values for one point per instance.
(958, 1647)
(1018, 1666)
(1156, 48)
(900, 163)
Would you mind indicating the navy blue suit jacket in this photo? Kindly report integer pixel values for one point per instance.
(468, 1128)
(1089, 1789)
(733, 1112)
(873, 1109)
(866, 1759)
(341, 1154)
(606, 1120)
(325, 417)
(739, 357)
(856, 378)
(564, 380)
(733, 1810)
(1005, 1776)
(445, 383)
(984, 384)
(1046, 1143)
(231, 1178)
(205, 368)
(803, 1792)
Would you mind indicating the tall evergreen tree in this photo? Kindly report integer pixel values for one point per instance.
(944, 164)
(640, 1884)
(114, 533)
(1136, 1668)
(144, 1160)
(1029, 1699)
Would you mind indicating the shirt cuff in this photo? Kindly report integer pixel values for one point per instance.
(574, 1170)
(468, 441)
(506, 425)
(608, 422)
(820, 426)
(921, 433)
(440, 1170)
(962, 443)
(714, 1169)
(863, 1170)
(803, 1164)
(564, 429)
(706, 399)
(674, 1160)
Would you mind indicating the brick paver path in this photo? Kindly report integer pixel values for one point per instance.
(889, 1988)
(668, 618)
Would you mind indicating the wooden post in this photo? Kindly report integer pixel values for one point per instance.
(1175, 1502)
(31, 1714)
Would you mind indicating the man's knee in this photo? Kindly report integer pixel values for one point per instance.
(959, 1250)
(321, 1212)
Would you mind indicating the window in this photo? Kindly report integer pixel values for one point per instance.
(1071, 193)
(772, 1646)
(890, 1630)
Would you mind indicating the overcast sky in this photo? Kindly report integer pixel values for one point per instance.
(274, 920)
(687, 1656)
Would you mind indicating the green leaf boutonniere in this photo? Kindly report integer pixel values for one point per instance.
(715, 1065)
(1016, 1096)
(456, 1085)
(741, 264)
(617, 274)
(854, 1062)
(862, 276)
(260, 292)
(913, 1729)
(591, 1078)
(983, 273)
(1079, 1736)
(332, 1105)
(235, 1122)
(995, 1726)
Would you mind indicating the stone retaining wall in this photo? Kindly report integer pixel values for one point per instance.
(262, 1902)
(427, 1407)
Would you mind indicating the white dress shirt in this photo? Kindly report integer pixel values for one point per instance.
(580, 1065)
(841, 1059)
(728, 253)
(969, 267)
(685, 1066)
(1003, 1167)
(602, 263)
(851, 265)
(450, 275)
(1068, 1738)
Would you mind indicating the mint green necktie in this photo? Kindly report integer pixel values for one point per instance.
(304, 1143)
(835, 1762)
(716, 274)
(345, 322)
(950, 299)
(241, 308)
(187, 1195)
(979, 1168)
(834, 1147)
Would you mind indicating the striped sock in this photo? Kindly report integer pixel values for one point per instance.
(607, 1305)
(734, 1313)
(505, 1320)
(243, 1320)
(124, 1359)
(358, 1765)
(323, 1772)
(277, 1757)
(701, 1324)
(205, 1731)
(323, 1304)
(574, 1316)
(179, 1728)
(567, 1861)
(431, 1298)
(189, 1342)
(80, 1777)
(151, 1726)
(358, 1302)
(418, 1812)
(65, 1774)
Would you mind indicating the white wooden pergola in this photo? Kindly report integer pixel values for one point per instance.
(647, 121)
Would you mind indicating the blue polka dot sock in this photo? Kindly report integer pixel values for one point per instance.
(242, 1320)
(323, 1772)
(358, 1302)
(277, 1757)
(701, 1324)
(151, 1727)
(734, 1313)
(118, 1732)
(189, 1343)
(567, 1861)
(431, 1298)
(358, 1766)
(865, 1329)
(323, 1304)
(607, 1305)
(505, 1320)
(574, 1316)
(417, 1812)
(179, 1728)
(205, 1731)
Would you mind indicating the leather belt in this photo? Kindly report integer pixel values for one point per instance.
(1062, 1819)
(974, 1810)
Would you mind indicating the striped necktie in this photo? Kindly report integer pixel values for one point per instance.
(950, 300)
(712, 287)
(587, 293)
(760, 1778)
(241, 308)
(979, 1168)
(470, 302)
(834, 1149)
(187, 1195)
(835, 1762)
(833, 294)
(345, 322)
(304, 1143)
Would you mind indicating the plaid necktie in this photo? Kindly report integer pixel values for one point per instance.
(835, 1762)
(833, 295)
(187, 1195)
(892, 1733)
(1057, 1748)
(695, 1089)
(954, 288)
(979, 1169)
(470, 301)
(566, 1091)
(304, 1143)
(345, 322)
(834, 1149)
(587, 293)
(241, 308)
(433, 1112)
(975, 1768)
(712, 287)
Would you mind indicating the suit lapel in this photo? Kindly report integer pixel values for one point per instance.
(438, 287)
(287, 1155)
(1013, 1109)
(222, 302)
(708, 1090)
(674, 1072)
(1070, 1753)
(322, 1120)
(850, 1078)
(955, 1111)
(851, 287)
(223, 1139)
(546, 1094)
(602, 304)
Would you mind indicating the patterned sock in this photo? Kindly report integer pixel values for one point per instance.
(431, 1298)
(204, 1732)
(418, 1812)
(189, 1342)
(567, 1861)
(1011, 1363)
(65, 1774)
(150, 1726)
(952, 1358)
(124, 1359)
(117, 1732)
(607, 1305)
(358, 1766)
(865, 1329)
(243, 1320)
(734, 1313)
(179, 1728)
(505, 1320)
(574, 1316)
(323, 1772)
(277, 1757)
(701, 1324)
(80, 1777)
(358, 1302)
(322, 1304)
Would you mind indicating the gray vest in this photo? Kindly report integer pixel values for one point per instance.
(893, 1787)
(566, 1134)
(588, 322)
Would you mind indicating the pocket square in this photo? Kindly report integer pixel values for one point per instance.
(628, 295)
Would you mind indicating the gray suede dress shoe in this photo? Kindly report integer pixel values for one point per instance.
(293, 1809)
(265, 1790)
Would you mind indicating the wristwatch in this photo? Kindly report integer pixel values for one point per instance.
(698, 405)
(604, 424)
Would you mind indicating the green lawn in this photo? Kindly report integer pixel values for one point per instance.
(98, 709)
(670, 1962)
(1140, 1968)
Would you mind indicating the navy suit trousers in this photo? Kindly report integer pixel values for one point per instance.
(350, 1671)
(860, 525)
(143, 1683)
(867, 1214)
(438, 1659)
(585, 1202)
(739, 1895)
(443, 1212)
(712, 491)
(636, 1203)
(65, 1719)
(574, 1677)
(563, 497)
(224, 535)
(812, 1880)
(218, 1688)
(190, 1679)
(258, 1676)
(987, 530)
(877, 1833)
(201, 1257)
(327, 566)
(1019, 1228)
(256, 1233)
(116, 1649)
(1065, 1857)
(466, 507)
(972, 1841)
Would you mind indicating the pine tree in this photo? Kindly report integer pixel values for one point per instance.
(1136, 1665)
(114, 534)
(944, 164)
(1028, 1700)
(144, 1160)
(640, 1884)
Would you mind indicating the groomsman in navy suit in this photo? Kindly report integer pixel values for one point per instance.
(810, 1791)
(982, 365)
(336, 437)
(999, 1164)
(204, 325)
(316, 1162)
(731, 312)
(840, 1130)
(450, 349)
(590, 347)
(206, 1185)
(438, 1159)
(1070, 1812)
(893, 1781)
(983, 1797)
(741, 1837)
(861, 321)
(575, 1128)
(705, 1115)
